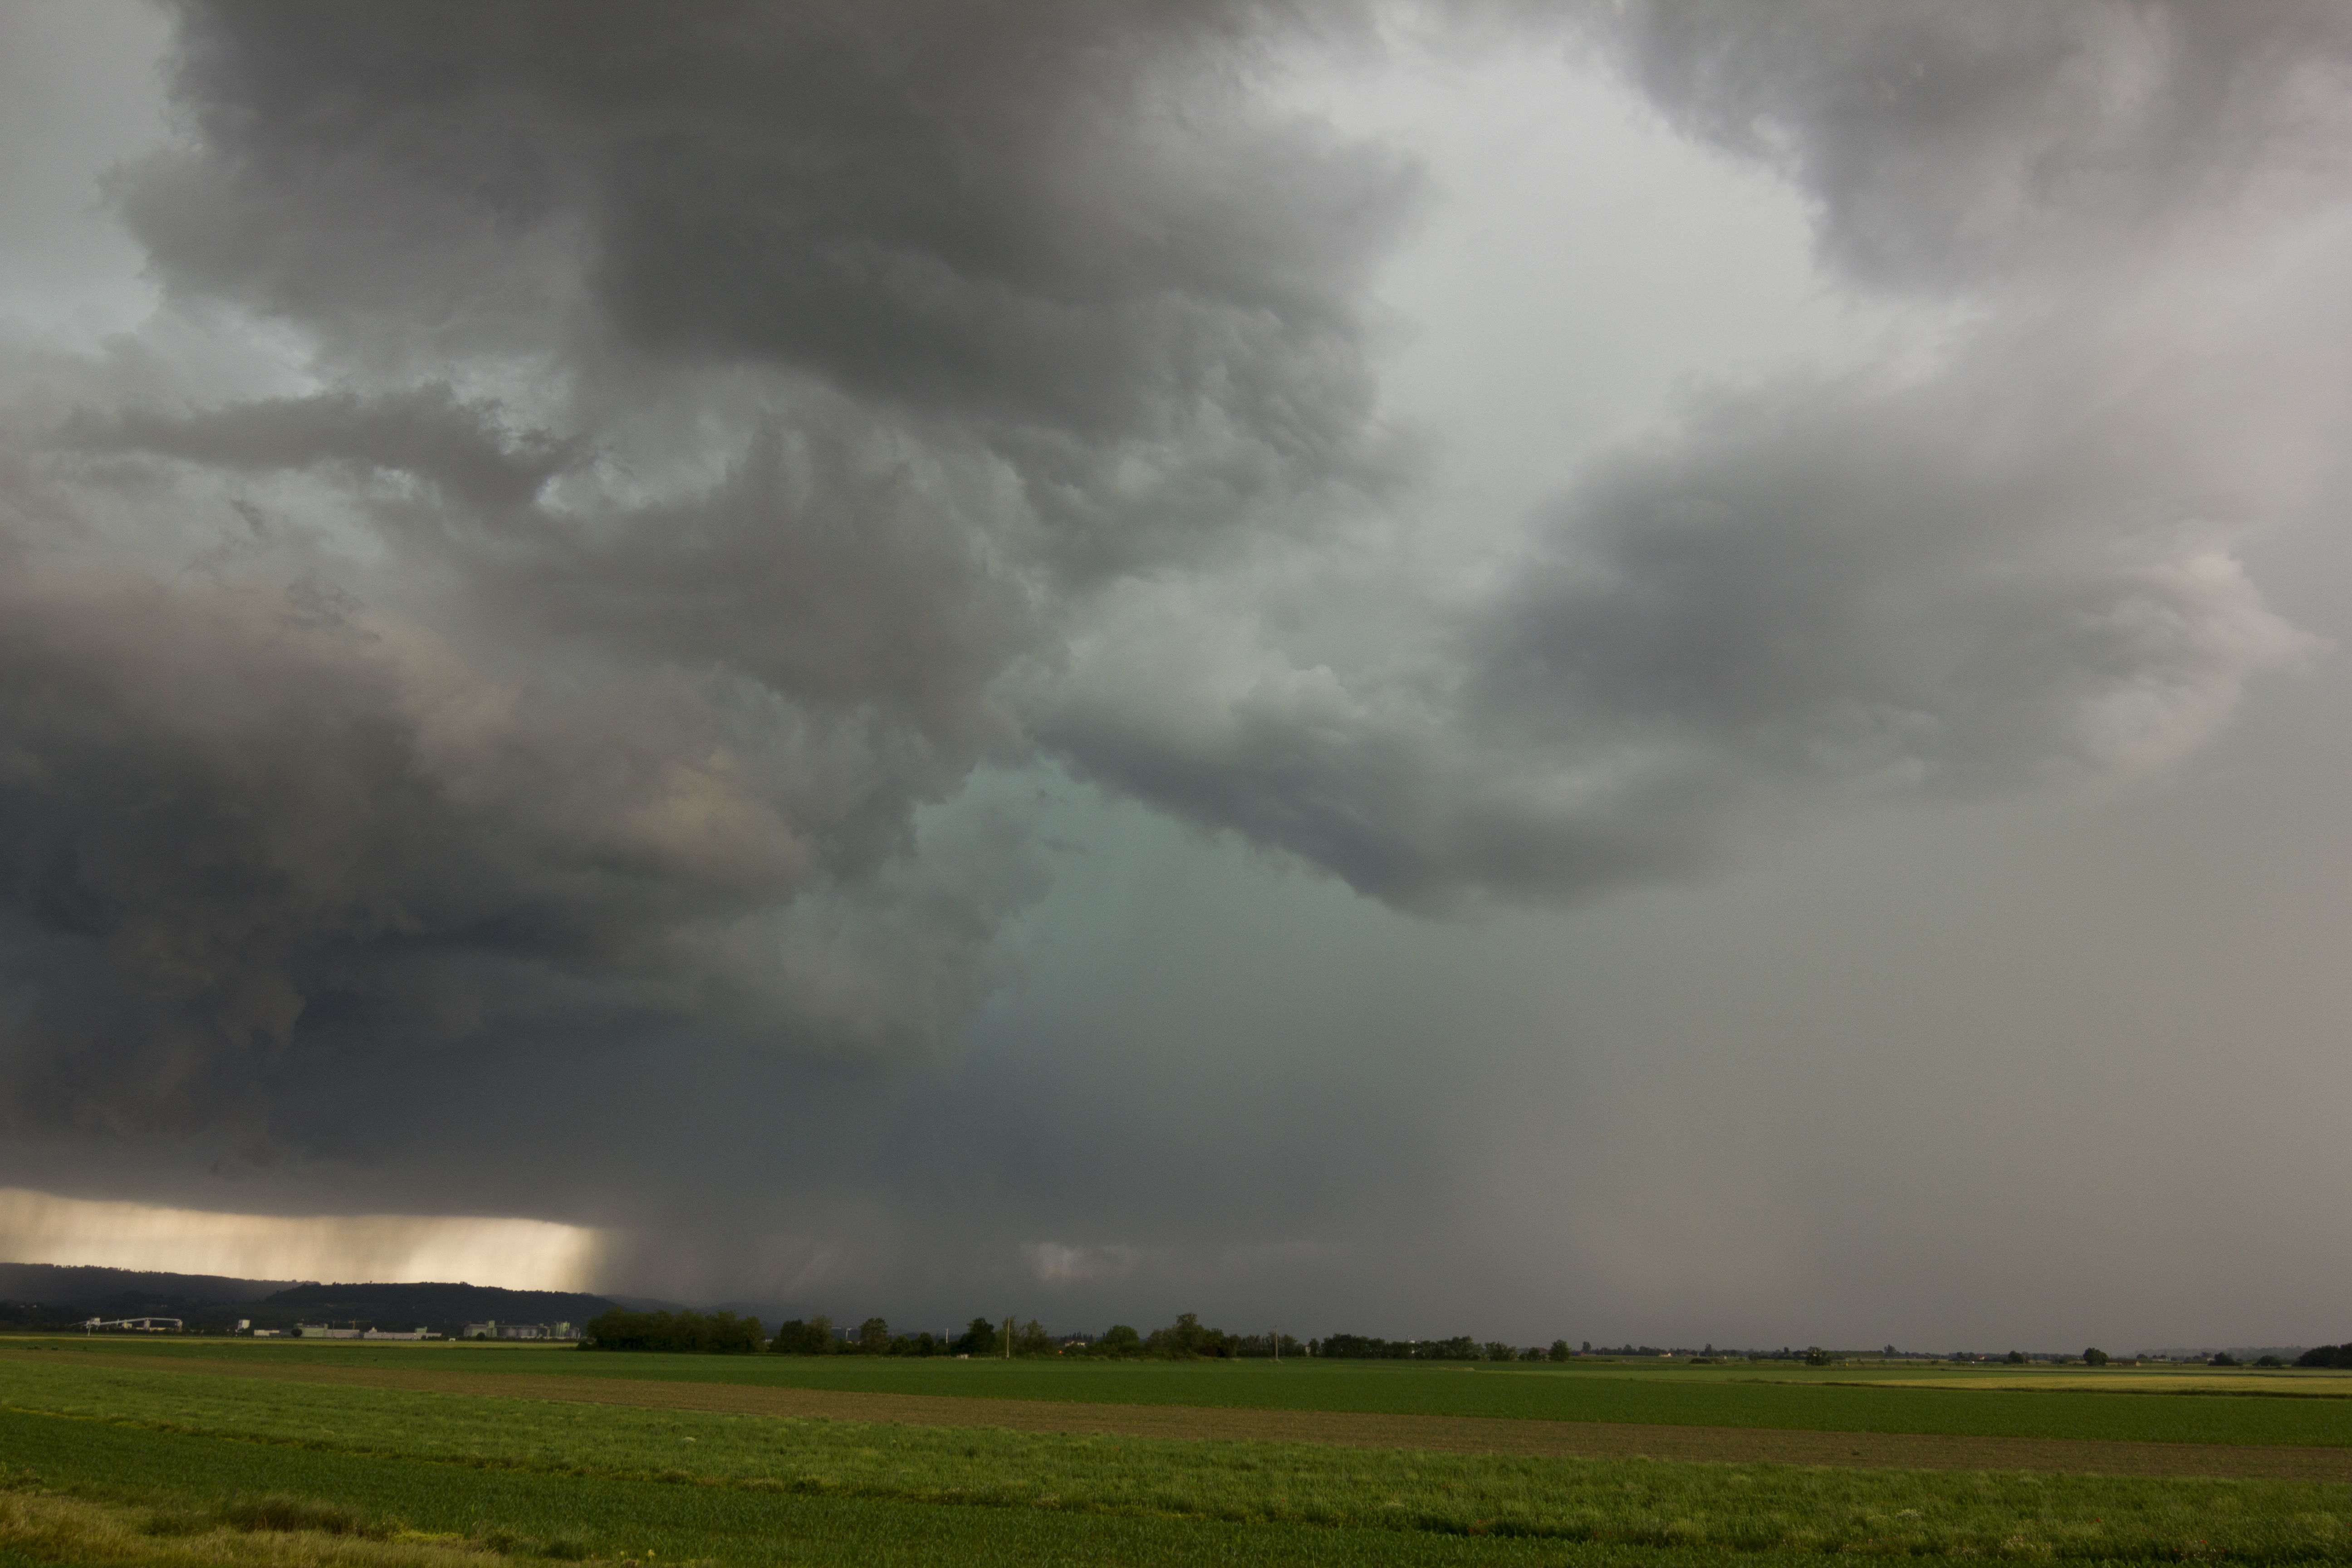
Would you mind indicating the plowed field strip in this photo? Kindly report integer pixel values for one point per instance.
(1451, 1434)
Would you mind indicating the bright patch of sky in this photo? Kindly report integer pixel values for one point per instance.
(351, 1249)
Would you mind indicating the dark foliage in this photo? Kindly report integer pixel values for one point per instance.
(34, 1315)
(812, 1337)
(1356, 1347)
(1187, 1340)
(1263, 1345)
(711, 1334)
(2326, 1355)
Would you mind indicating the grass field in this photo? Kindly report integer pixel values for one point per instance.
(654, 1522)
(1836, 1400)
(516, 1476)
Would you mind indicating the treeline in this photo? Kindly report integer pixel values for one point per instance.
(1186, 1339)
(2326, 1355)
(816, 1336)
(1356, 1347)
(704, 1333)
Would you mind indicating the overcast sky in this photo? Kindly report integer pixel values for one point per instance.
(1637, 672)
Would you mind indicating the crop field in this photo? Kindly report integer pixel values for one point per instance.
(2264, 1385)
(166, 1454)
(2227, 1407)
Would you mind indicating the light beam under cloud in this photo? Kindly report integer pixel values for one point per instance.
(518, 1254)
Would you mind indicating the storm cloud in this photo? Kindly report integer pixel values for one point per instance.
(1958, 147)
(627, 524)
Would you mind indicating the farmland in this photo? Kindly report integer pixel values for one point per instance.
(2240, 1408)
(650, 1457)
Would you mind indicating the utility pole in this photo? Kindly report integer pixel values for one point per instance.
(1008, 1338)
(1277, 1337)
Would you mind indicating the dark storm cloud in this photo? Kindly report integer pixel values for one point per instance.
(424, 432)
(2014, 574)
(1951, 145)
(1071, 224)
(260, 827)
(722, 432)
(2015, 569)
(1928, 586)
(713, 400)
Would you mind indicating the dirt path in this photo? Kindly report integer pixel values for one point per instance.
(1453, 1433)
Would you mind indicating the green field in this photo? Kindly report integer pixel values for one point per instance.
(653, 1521)
(2237, 1412)
(521, 1477)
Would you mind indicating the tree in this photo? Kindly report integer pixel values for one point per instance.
(1559, 1350)
(1816, 1356)
(1186, 1339)
(814, 1336)
(2015, 1358)
(873, 1337)
(792, 1338)
(2095, 1357)
(2223, 1357)
(720, 1333)
(979, 1338)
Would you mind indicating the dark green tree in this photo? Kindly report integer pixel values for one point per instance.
(814, 1336)
(719, 1334)
(1187, 1340)
(2095, 1357)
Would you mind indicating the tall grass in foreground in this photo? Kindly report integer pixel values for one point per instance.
(1743, 1508)
(276, 1532)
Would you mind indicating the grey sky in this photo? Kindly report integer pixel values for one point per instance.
(1622, 672)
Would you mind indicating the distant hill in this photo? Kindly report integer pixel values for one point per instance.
(38, 1295)
(444, 1308)
(52, 1285)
